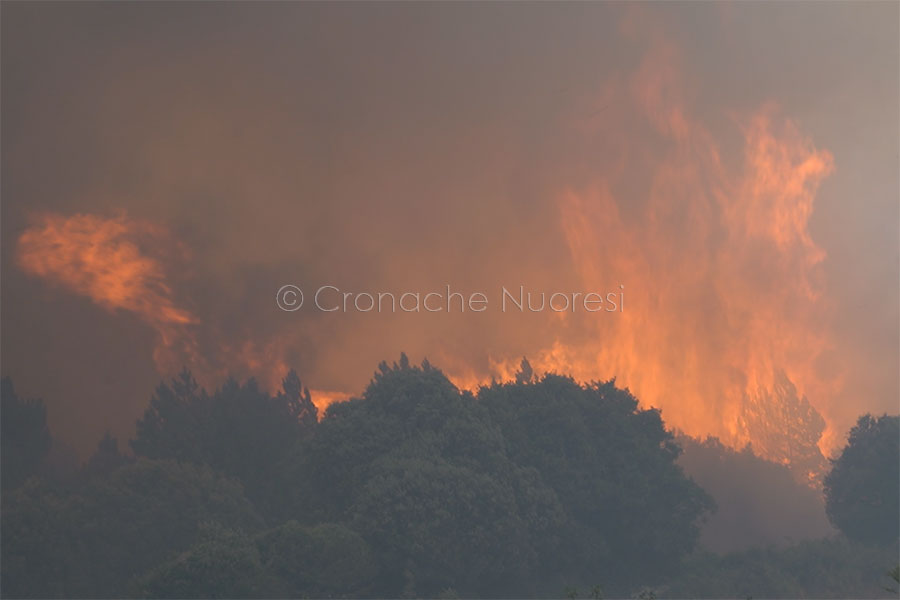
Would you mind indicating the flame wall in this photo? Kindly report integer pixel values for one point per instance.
(728, 166)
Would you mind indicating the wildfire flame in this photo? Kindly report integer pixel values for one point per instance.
(723, 283)
(724, 326)
(104, 259)
(120, 264)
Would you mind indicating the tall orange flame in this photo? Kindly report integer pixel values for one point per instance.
(724, 309)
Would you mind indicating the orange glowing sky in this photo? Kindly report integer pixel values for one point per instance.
(727, 165)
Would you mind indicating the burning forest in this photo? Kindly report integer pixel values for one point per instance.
(683, 217)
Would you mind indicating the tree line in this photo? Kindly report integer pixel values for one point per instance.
(540, 487)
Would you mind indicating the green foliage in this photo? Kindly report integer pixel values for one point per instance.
(327, 560)
(645, 593)
(863, 488)
(39, 556)
(828, 568)
(239, 430)
(612, 467)
(221, 564)
(415, 489)
(105, 459)
(446, 524)
(419, 470)
(518, 490)
(93, 539)
(894, 574)
(24, 437)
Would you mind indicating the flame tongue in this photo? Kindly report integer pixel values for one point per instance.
(724, 312)
(105, 260)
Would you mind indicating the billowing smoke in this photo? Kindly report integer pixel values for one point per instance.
(345, 150)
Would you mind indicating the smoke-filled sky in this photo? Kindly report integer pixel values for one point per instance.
(730, 169)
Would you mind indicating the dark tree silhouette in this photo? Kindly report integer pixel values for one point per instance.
(91, 541)
(297, 400)
(238, 430)
(106, 458)
(525, 374)
(24, 437)
(222, 564)
(630, 513)
(862, 490)
(320, 561)
(419, 470)
(414, 489)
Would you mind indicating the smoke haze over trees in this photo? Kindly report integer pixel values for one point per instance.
(730, 166)
(416, 489)
(720, 177)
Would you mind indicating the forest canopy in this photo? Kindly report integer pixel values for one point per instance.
(534, 488)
